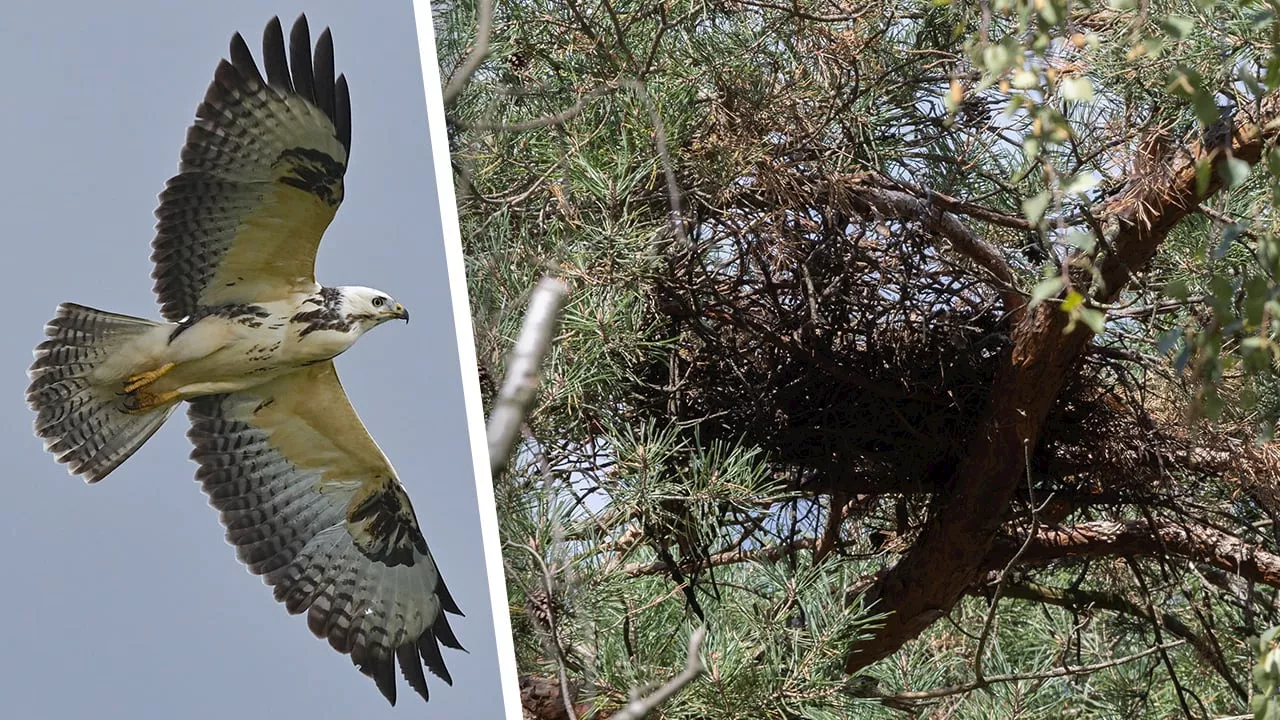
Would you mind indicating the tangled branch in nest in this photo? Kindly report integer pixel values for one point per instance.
(860, 350)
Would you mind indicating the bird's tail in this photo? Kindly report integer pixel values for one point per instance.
(84, 420)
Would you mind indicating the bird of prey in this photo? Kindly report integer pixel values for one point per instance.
(307, 498)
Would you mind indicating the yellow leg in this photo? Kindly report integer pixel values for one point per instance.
(143, 401)
(146, 378)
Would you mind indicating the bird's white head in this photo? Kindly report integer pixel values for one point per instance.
(369, 308)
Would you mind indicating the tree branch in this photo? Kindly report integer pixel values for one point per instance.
(1138, 537)
(1058, 672)
(901, 205)
(641, 707)
(523, 370)
(772, 552)
(1076, 599)
(479, 50)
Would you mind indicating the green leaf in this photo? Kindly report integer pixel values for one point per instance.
(1077, 184)
(1222, 288)
(1082, 240)
(1024, 79)
(1268, 637)
(1073, 300)
(1050, 12)
(1207, 110)
(1168, 339)
(1177, 26)
(1182, 358)
(1076, 88)
(1234, 172)
(1224, 245)
(1204, 173)
(1033, 207)
(1047, 288)
(1031, 148)
(1257, 293)
(1095, 319)
(1176, 290)
(997, 58)
(1189, 85)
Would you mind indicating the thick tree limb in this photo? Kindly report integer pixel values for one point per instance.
(933, 575)
(1197, 543)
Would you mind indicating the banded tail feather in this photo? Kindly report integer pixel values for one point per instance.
(82, 419)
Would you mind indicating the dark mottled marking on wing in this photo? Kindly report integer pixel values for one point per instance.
(391, 533)
(314, 172)
(244, 313)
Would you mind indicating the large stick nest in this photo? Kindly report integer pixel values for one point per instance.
(861, 352)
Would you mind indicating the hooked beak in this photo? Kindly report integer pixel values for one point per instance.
(401, 313)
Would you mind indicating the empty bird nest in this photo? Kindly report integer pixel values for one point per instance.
(861, 357)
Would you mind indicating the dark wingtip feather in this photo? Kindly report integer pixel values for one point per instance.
(446, 600)
(431, 656)
(383, 672)
(445, 634)
(273, 57)
(300, 58)
(411, 667)
(324, 75)
(342, 118)
(242, 59)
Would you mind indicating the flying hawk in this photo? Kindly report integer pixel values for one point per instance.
(307, 497)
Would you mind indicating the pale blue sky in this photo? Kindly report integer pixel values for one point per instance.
(122, 600)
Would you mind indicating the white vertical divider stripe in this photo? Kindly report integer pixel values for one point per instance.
(467, 359)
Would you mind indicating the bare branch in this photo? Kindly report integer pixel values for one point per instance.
(772, 552)
(641, 707)
(1078, 599)
(893, 203)
(523, 370)
(1019, 677)
(479, 50)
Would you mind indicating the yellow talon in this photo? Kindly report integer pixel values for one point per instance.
(140, 402)
(146, 378)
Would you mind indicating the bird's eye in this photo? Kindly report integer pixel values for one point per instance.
(379, 301)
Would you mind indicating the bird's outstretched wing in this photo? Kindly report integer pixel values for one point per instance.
(314, 507)
(260, 178)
